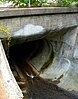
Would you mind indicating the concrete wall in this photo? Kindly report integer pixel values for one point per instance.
(63, 23)
(51, 18)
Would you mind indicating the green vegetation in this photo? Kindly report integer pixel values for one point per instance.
(35, 3)
(67, 2)
(7, 43)
(7, 33)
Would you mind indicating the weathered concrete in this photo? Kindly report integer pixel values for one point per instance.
(51, 18)
(64, 65)
(8, 86)
(29, 32)
(15, 12)
(63, 36)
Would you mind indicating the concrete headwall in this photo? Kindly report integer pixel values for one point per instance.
(63, 23)
(51, 18)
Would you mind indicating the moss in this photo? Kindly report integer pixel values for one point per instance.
(57, 81)
(6, 42)
(5, 30)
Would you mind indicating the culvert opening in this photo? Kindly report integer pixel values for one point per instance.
(27, 61)
(21, 54)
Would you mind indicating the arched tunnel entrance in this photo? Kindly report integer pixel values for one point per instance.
(44, 64)
(29, 62)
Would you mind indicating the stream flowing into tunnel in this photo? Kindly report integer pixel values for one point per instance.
(28, 61)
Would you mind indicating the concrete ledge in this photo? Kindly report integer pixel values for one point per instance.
(14, 12)
(9, 87)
